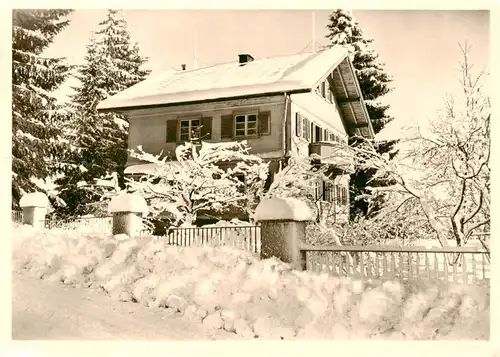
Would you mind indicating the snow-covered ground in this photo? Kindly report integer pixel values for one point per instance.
(221, 289)
(45, 310)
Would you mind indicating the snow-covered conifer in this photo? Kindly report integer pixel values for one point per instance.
(36, 116)
(112, 64)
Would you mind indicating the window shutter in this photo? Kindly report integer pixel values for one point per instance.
(308, 130)
(206, 128)
(264, 123)
(226, 127)
(171, 131)
(298, 124)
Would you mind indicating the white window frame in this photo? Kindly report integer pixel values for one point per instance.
(246, 122)
(190, 127)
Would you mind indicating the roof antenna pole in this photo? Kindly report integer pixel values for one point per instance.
(195, 50)
(313, 37)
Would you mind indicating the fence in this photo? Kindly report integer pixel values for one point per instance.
(241, 237)
(466, 265)
(83, 224)
(17, 216)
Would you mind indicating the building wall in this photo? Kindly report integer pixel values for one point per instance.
(148, 127)
(336, 210)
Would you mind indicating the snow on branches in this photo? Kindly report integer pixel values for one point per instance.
(441, 172)
(206, 178)
(314, 183)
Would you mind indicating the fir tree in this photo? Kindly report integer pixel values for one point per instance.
(112, 64)
(36, 117)
(374, 83)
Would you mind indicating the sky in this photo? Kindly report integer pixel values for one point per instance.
(420, 48)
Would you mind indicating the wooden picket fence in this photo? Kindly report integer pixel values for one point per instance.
(82, 224)
(463, 264)
(458, 264)
(17, 216)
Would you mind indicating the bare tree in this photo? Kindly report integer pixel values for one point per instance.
(442, 171)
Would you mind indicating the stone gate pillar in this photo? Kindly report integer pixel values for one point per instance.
(34, 207)
(283, 229)
(127, 211)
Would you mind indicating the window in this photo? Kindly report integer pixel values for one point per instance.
(327, 191)
(190, 129)
(332, 137)
(317, 133)
(322, 89)
(338, 194)
(327, 92)
(245, 125)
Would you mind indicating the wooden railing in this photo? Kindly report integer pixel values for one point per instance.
(462, 264)
(17, 216)
(82, 224)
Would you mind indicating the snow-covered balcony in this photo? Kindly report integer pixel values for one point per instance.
(333, 154)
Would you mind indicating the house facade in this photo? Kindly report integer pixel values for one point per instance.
(297, 104)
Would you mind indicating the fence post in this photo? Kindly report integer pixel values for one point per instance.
(127, 211)
(34, 207)
(283, 229)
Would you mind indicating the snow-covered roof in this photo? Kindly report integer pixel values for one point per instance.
(299, 72)
(319, 108)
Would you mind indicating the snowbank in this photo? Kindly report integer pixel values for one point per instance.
(224, 288)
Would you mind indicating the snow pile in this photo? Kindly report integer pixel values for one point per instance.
(35, 199)
(224, 288)
(128, 203)
(286, 208)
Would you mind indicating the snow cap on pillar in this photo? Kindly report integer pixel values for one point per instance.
(34, 199)
(128, 203)
(283, 209)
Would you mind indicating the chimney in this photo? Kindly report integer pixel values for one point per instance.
(183, 67)
(244, 59)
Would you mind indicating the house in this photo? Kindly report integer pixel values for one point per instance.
(299, 103)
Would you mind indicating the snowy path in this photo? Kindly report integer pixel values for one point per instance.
(43, 310)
